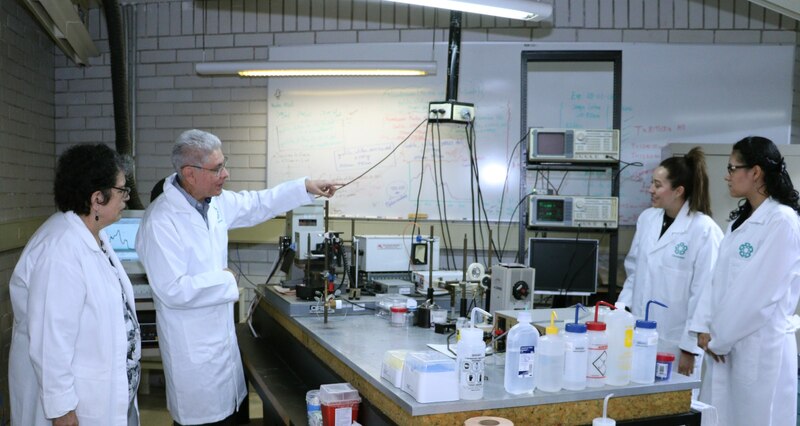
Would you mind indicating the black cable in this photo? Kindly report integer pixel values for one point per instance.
(525, 198)
(472, 198)
(358, 304)
(239, 268)
(387, 155)
(503, 193)
(421, 174)
(481, 202)
(443, 223)
(626, 165)
(436, 185)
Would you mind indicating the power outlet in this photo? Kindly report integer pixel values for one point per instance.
(451, 112)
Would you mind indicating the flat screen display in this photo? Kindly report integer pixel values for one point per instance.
(549, 210)
(550, 143)
(122, 236)
(564, 265)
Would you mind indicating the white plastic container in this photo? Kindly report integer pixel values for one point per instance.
(550, 359)
(521, 344)
(471, 352)
(430, 377)
(575, 356)
(645, 348)
(392, 366)
(597, 359)
(620, 325)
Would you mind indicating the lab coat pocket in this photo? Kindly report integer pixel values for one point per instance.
(203, 338)
(744, 358)
(92, 386)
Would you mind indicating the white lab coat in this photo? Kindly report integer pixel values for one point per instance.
(194, 296)
(69, 342)
(672, 269)
(755, 290)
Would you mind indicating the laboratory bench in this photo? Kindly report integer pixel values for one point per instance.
(296, 352)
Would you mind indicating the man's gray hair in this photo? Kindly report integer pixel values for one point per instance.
(193, 147)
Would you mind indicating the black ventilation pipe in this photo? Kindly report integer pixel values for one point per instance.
(119, 85)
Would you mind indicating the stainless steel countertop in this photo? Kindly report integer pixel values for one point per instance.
(360, 341)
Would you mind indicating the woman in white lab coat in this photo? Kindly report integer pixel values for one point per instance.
(743, 320)
(672, 255)
(75, 343)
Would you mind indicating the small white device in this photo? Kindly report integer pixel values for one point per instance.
(304, 221)
(547, 145)
(569, 211)
(395, 253)
(512, 287)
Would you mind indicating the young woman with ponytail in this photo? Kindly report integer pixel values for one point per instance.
(672, 255)
(744, 321)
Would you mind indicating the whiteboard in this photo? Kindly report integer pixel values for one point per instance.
(336, 128)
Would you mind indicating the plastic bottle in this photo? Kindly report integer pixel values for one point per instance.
(520, 349)
(470, 363)
(597, 359)
(550, 359)
(605, 420)
(620, 345)
(575, 354)
(645, 347)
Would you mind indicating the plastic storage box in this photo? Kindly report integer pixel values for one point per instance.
(392, 366)
(430, 377)
(339, 403)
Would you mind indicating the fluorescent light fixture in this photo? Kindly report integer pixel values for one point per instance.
(512, 9)
(318, 68)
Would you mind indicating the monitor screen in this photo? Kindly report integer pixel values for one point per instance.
(550, 143)
(549, 210)
(564, 265)
(122, 236)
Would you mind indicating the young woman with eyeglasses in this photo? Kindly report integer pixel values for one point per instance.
(744, 320)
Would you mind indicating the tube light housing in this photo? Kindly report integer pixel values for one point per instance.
(318, 68)
(512, 9)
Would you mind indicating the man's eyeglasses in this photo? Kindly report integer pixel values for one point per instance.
(216, 170)
(126, 192)
(734, 167)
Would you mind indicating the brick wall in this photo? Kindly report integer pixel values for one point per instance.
(27, 145)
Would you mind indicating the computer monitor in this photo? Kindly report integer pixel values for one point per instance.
(122, 235)
(564, 266)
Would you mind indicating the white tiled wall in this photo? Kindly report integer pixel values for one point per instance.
(27, 144)
(174, 35)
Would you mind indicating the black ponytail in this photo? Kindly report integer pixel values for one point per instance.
(759, 151)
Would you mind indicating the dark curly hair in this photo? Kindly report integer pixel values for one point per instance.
(759, 151)
(82, 170)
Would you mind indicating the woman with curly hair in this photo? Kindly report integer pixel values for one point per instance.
(75, 344)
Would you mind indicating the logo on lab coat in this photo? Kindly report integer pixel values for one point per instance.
(680, 249)
(745, 250)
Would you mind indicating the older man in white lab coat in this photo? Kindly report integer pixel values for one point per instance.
(183, 243)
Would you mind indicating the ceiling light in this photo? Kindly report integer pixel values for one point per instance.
(512, 9)
(318, 68)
